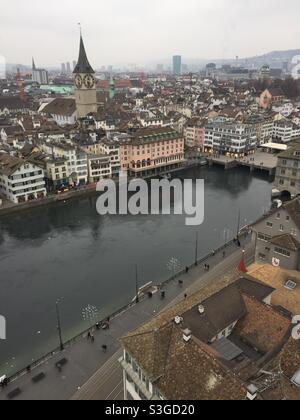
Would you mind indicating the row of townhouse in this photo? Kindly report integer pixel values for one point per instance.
(201, 135)
(73, 162)
(230, 139)
(20, 180)
(285, 131)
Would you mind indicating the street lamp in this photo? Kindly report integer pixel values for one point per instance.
(59, 324)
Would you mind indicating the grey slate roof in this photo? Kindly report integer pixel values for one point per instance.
(83, 65)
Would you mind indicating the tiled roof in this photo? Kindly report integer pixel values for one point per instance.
(286, 241)
(61, 106)
(213, 321)
(193, 370)
(9, 164)
(263, 328)
(277, 278)
(12, 103)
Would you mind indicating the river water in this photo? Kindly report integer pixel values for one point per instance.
(68, 251)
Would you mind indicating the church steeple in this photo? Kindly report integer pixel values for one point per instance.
(83, 66)
(85, 85)
(33, 64)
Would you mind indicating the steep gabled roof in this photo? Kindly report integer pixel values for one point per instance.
(83, 65)
(286, 241)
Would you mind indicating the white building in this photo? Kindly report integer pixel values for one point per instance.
(61, 110)
(285, 131)
(111, 147)
(99, 167)
(230, 139)
(76, 160)
(21, 181)
(285, 108)
(39, 76)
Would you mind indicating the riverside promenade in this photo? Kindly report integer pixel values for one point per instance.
(90, 373)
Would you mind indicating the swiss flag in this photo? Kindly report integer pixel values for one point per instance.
(242, 265)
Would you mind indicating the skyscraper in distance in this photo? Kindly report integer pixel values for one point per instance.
(177, 65)
(69, 71)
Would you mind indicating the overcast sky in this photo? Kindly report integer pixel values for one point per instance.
(139, 31)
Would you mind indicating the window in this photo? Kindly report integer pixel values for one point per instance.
(290, 285)
(281, 228)
(263, 237)
(269, 224)
(282, 251)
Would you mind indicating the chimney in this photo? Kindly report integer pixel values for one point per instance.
(187, 335)
(252, 392)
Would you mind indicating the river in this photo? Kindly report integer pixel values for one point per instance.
(68, 251)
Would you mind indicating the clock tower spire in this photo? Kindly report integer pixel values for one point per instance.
(85, 84)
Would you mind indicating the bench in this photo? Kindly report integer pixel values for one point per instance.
(38, 378)
(13, 394)
(61, 363)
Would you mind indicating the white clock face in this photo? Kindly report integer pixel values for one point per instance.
(89, 81)
(78, 81)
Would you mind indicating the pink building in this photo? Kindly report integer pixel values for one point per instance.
(152, 151)
(194, 137)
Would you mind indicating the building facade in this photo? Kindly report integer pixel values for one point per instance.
(232, 140)
(21, 181)
(277, 237)
(152, 151)
(177, 65)
(287, 176)
(39, 76)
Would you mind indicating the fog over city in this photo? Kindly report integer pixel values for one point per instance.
(134, 31)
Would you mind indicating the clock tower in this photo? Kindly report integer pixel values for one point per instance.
(85, 84)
